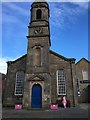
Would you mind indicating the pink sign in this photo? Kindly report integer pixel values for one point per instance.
(53, 107)
(18, 107)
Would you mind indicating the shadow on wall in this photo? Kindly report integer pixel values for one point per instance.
(84, 97)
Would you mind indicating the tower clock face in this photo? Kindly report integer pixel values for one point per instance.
(37, 30)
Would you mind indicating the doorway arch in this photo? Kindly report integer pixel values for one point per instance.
(36, 97)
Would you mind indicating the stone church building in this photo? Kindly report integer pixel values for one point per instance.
(40, 77)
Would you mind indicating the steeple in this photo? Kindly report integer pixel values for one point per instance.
(39, 22)
(39, 11)
(38, 38)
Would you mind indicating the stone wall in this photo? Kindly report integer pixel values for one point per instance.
(58, 62)
(13, 68)
(83, 65)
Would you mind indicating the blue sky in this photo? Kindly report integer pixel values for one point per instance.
(68, 29)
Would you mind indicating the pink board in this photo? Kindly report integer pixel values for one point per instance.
(53, 107)
(18, 107)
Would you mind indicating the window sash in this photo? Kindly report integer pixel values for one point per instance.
(85, 75)
(19, 83)
(61, 83)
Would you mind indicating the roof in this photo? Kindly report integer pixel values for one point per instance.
(83, 59)
(41, 3)
(10, 62)
(58, 55)
(52, 52)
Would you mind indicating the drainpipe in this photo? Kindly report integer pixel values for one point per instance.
(71, 62)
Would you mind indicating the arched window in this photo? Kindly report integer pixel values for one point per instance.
(38, 14)
(37, 56)
(61, 83)
(19, 83)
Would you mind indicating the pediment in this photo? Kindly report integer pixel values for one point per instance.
(36, 78)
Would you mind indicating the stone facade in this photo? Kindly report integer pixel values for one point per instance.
(2, 86)
(13, 67)
(40, 65)
(83, 79)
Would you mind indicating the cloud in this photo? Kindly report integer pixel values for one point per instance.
(82, 4)
(15, 20)
(8, 10)
(3, 64)
(15, 7)
(15, 13)
(63, 14)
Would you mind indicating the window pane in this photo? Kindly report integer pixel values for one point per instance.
(61, 82)
(85, 75)
(19, 83)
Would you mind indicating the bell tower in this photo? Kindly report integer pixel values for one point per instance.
(38, 38)
(37, 61)
(39, 23)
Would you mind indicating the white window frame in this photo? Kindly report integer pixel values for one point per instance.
(64, 84)
(85, 75)
(20, 82)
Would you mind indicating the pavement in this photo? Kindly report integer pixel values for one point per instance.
(84, 105)
(0, 110)
(80, 111)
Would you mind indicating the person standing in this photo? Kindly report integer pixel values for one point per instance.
(64, 102)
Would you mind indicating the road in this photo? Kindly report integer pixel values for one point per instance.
(76, 112)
